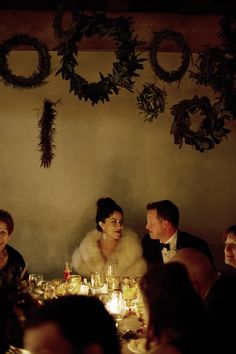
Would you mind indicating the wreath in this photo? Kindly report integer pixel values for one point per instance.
(214, 68)
(177, 37)
(228, 32)
(37, 78)
(151, 101)
(67, 6)
(124, 69)
(210, 132)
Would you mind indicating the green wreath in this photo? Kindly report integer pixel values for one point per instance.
(124, 69)
(67, 6)
(211, 131)
(228, 32)
(177, 37)
(37, 78)
(151, 101)
(214, 68)
(217, 69)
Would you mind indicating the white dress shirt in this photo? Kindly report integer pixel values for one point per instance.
(167, 254)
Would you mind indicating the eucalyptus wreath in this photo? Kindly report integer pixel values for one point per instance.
(66, 6)
(213, 68)
(156, 41)
(124, 68)
(228, 32)
(211, 131)
(37, 78)
(151, 101)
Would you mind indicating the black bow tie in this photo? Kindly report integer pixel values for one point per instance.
(165, 245)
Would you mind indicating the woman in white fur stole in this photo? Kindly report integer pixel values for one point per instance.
(109, 243)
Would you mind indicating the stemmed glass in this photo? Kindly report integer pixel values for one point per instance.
(35, 280)
(129, 288)
(97, 282)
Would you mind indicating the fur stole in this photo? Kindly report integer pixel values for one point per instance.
(127, 257)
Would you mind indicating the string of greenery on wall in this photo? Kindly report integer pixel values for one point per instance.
(214, 67)
(47, 128)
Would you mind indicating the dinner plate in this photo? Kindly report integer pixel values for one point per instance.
(14, 350)
(137, 345)
(129, 323)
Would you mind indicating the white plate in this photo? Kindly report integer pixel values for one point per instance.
(129, 323)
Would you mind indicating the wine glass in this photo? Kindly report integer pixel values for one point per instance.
(129, 288)
(97, 282)
(35, 280)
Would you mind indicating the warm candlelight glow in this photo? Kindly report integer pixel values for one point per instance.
(116, 304)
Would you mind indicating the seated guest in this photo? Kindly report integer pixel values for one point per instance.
(12, 264)
(176, 316)
(218, 292)
(230, 246)
(164, 238)
(15, 306)
(109, 243)
(74, 324)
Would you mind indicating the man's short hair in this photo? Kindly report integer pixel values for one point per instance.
(167, 210)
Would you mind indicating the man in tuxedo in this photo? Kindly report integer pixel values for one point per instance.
(164, 238)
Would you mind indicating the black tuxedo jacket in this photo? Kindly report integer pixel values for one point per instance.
(152, 250)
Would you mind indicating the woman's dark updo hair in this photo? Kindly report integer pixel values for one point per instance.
(106, 207)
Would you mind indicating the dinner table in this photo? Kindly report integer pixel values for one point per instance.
(121, 297)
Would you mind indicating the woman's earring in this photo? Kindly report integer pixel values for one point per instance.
(104, 236)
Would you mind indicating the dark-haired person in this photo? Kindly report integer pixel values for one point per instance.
(73, 324)
(15, 307)
(218, 293)
(230, 245)
(164, 238)
(176, 315)
(109, 243)
(12, 264)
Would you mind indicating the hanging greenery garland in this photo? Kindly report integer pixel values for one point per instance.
(151, 101)
(38, 77)
(124, 68)
(47, 133)
(177, 37)
(211, 130)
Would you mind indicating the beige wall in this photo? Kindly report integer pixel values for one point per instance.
(104, 150)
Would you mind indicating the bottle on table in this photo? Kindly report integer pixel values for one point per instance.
(67, 270)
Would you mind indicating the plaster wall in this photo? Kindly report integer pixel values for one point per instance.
(105, 150)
